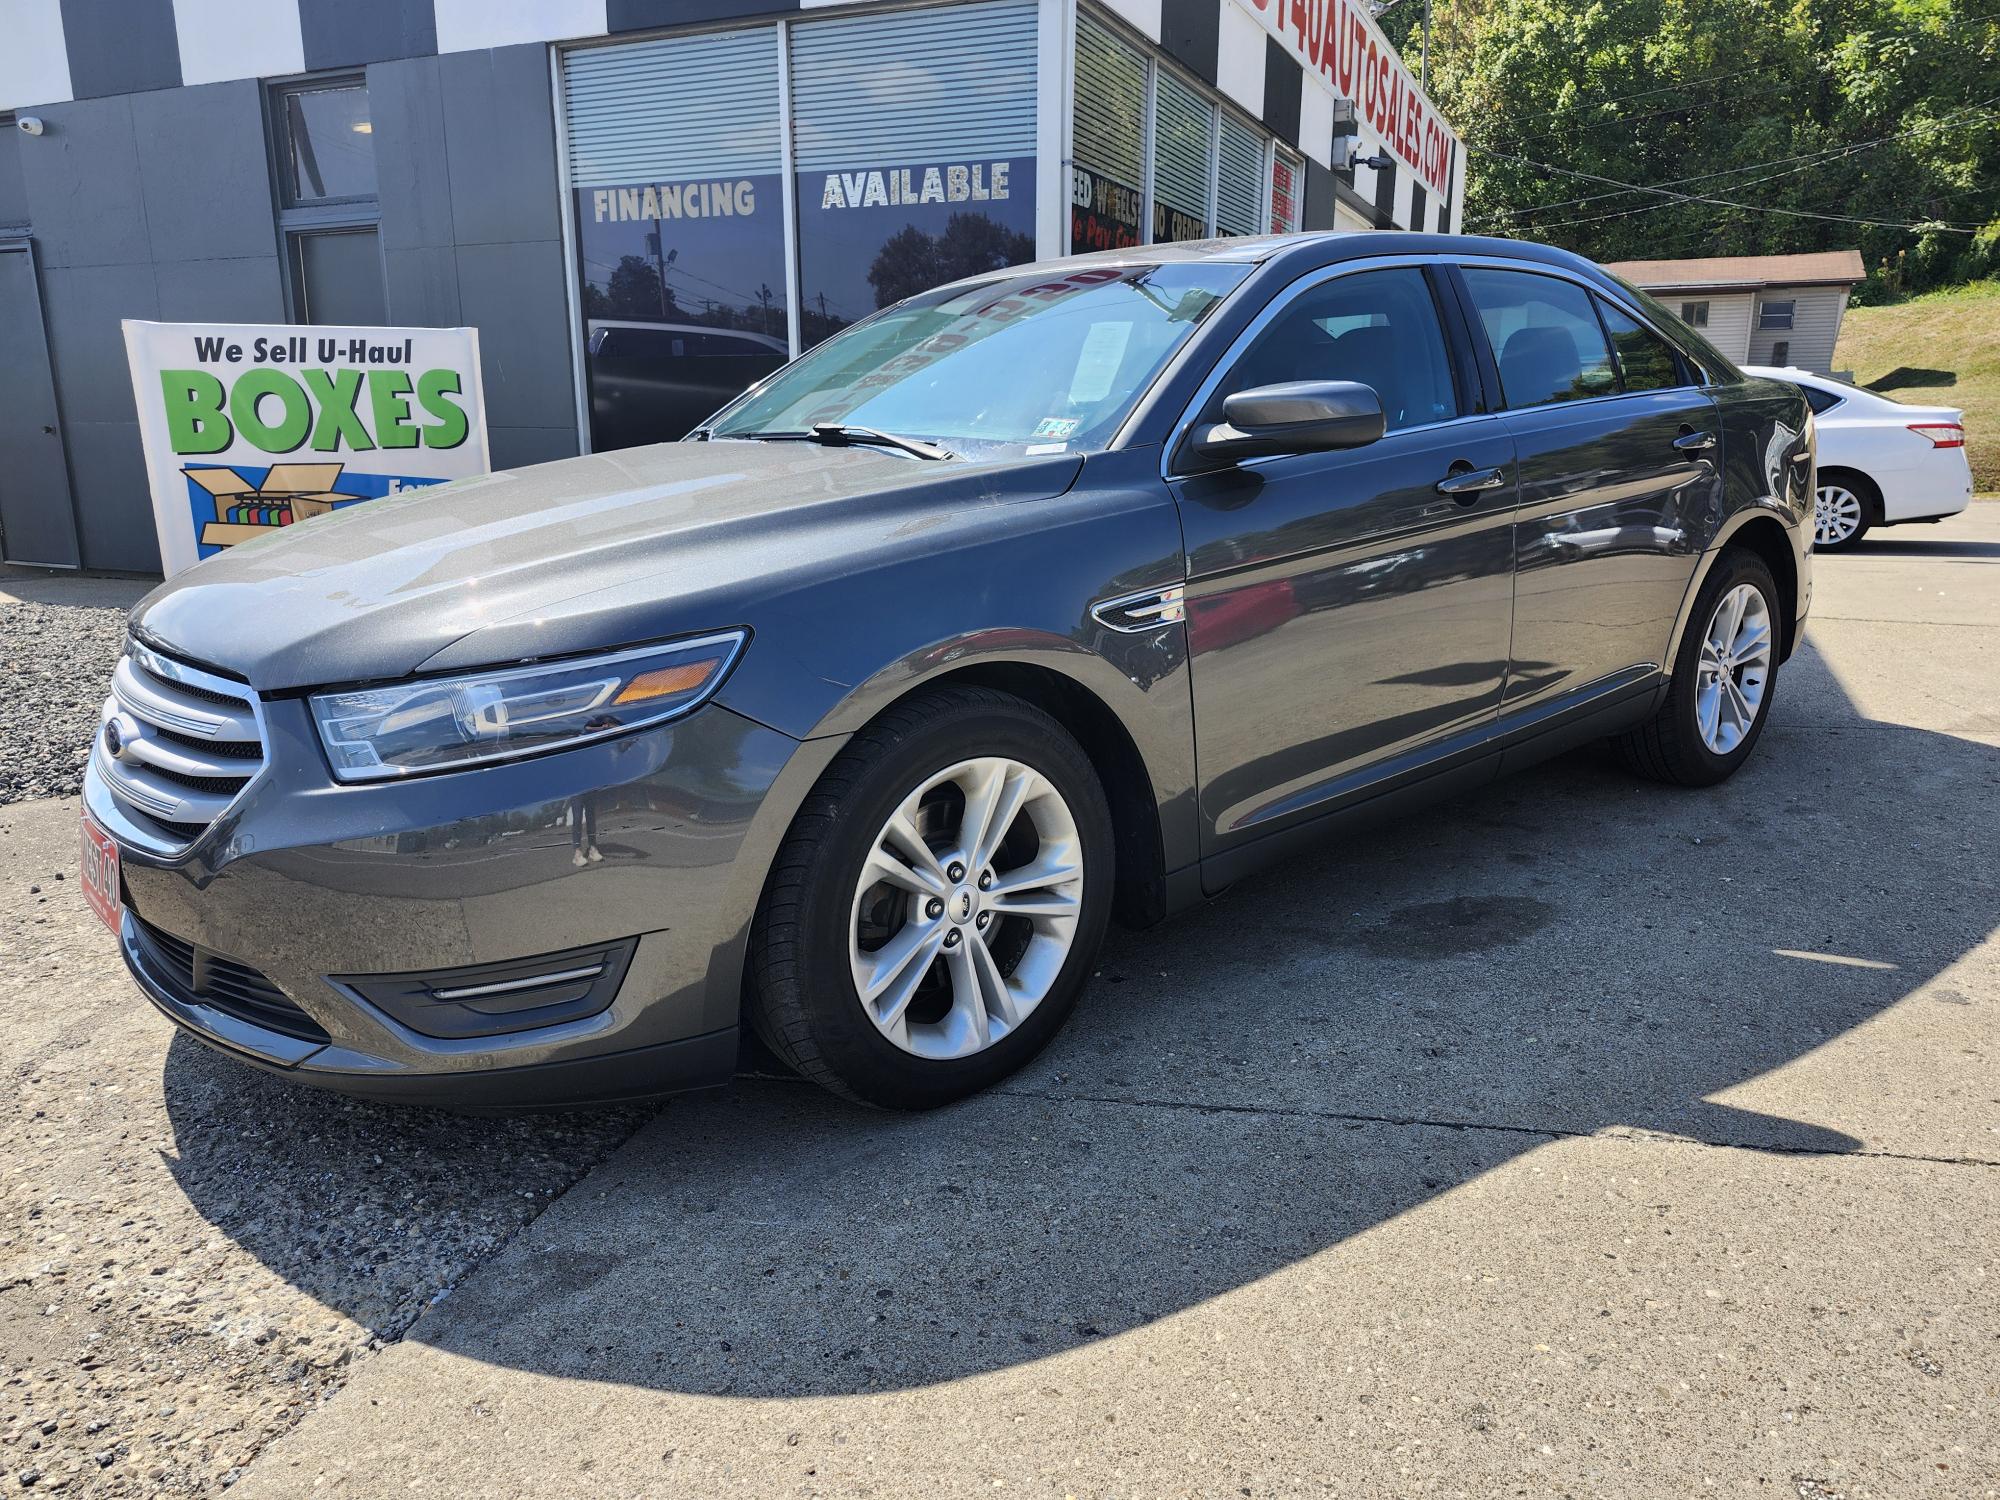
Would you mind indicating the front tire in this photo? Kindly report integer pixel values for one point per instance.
(932, 916)
(1724, 677)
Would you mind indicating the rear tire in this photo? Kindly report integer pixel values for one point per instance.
(1000, 915)
(1845, 505)
(1724, 679)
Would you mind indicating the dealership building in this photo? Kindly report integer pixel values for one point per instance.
(642, 205)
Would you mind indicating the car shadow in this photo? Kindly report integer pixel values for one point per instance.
(1336, 1042)
(1898, 542)
(1905, 377)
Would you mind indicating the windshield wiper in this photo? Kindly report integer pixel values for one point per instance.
(846, 434)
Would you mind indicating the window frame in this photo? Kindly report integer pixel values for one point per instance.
(1682, 370)
(1766, 310)
(319, 215)
(1490, 357)
(1697, 373)
(1465, 378)
(1689, 308)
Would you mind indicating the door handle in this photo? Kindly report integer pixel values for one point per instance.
(1691, 441)
(1466, 484)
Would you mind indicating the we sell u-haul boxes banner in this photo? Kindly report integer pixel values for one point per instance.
(250, 429)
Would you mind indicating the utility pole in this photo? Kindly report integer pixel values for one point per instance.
(1424, 57)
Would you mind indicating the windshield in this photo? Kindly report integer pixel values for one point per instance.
(1027, 364)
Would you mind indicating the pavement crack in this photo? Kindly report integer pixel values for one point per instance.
(1541, 1132)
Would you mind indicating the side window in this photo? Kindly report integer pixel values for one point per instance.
(1376, 327)
(1545, 337)
(1820, 401)
(1645, 361)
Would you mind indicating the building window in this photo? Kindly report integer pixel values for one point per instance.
(323, 139)
(1288, 182)
(1775, 315)
(336, 277)
(903, 188)
(676, 175)
(328, 142)
(1183, 160)
(1239, 180)
(1695, 314)
(1107, 187)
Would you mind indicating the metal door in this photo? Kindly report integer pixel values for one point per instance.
(37, 518)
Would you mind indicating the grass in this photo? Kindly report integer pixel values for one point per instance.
(1940, 349)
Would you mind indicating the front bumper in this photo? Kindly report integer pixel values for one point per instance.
(654, 843)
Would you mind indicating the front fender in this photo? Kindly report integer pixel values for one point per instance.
(1008, 586)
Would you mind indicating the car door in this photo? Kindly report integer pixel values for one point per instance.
(1347, 612)
(1620, 479)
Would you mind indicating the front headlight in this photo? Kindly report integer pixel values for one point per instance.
(443, 723)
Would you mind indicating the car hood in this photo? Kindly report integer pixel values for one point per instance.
(501, 568)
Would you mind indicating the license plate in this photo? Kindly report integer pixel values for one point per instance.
(100, 874)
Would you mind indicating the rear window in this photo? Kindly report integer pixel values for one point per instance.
(1545, 337)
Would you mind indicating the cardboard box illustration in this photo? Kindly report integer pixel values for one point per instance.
(290, 492)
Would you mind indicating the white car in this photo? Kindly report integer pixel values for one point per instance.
(1880, 462)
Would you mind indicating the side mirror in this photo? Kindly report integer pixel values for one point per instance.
(1300, 416)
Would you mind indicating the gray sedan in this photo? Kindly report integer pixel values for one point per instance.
(1074, 589)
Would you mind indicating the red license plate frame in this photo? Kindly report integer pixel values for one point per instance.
(101, 888)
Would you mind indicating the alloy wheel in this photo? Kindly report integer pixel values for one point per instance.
(1836, 515)
(1735, 668)
(966, 908)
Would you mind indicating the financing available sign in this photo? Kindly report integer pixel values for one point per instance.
(249, 429)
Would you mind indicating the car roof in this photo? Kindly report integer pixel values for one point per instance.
(1302, 251)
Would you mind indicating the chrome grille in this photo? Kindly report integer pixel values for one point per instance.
(175, 746)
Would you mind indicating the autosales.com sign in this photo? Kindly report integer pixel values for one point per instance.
(251, 429)
(1339, 40)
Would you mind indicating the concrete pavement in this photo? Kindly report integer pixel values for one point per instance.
(1578, 1137)
(1581, 1137)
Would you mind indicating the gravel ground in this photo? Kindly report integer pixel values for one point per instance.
(55, 668)
(191, 1254)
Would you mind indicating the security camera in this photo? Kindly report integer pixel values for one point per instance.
(1354, 158)
(30, 125)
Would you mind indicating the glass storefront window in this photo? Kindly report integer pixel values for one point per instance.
(914, 137)
(1239, 182)
(1107, 179)
(1288, 183)
(1182, 120)
(675, 171)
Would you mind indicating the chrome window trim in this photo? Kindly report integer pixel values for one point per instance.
(1323, 274)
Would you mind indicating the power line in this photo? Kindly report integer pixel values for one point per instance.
(1809, 159)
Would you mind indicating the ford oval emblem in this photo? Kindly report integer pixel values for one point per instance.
(120, 733)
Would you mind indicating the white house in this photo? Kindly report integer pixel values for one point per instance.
(1758, 309)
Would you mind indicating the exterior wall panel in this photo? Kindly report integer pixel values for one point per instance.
(1816, 314)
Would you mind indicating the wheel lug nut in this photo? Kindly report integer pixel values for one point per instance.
(957, 871)
(951, 938)
(934, 909)
(985, 917)
(986, 880)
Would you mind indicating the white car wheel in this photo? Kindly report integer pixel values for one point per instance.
(1840, 517)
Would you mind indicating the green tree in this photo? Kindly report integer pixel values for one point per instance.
(1805, 124)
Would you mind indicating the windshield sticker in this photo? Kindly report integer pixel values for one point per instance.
(1057, 427)
(1097, 363)
(1042, 450)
